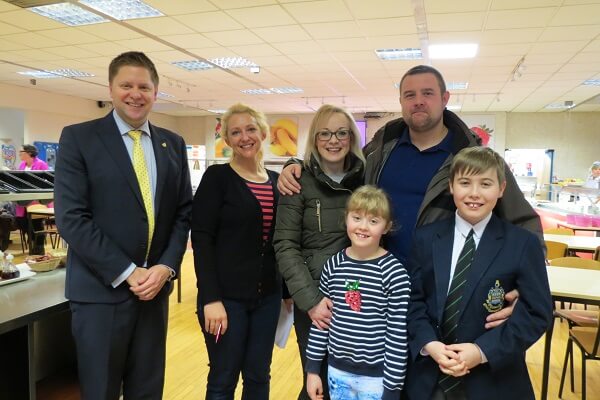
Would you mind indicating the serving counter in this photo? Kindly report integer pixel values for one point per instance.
(35, 333)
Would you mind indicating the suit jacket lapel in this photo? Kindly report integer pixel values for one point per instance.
(161, 154)
(110, 135)
(489, 246)
(442, 258)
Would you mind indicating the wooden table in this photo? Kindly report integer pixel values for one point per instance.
(573, 285)
(579, 228)
(587, 244)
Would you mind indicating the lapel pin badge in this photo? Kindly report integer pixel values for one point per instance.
(495, 298)
(164, 144)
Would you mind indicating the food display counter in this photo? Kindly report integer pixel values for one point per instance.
(35, 333)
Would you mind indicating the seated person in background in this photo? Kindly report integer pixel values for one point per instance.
(593, 179)
(453, 291)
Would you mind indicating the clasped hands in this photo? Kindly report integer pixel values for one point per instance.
(146, 283)
(455, 359)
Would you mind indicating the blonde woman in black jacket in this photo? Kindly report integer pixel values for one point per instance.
(310, 225)
(239, 287)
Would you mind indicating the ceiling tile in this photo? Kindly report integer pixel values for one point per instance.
(391, 42)
(193, 40)
(143, 44)
(498, 36)
(570, 47)
(6, 29)
(455, 37)
(319, 11)
(31, 55)
(29, 20)
(233, 38)
(160, 26)
(288, 48)
(526, 18)
(33, 40)
(230, 4)
(71, 52)
(104, 48)
(577, 32)
(333, 30)
(70, 36)
(277, 34)
(110, 31)
(518, 4)
(8, 45)
(388, 26)
(442, 7)
(379, 8)
(580, 15)
(255, 50)
(351, 44)
(255, 17)
(177, 7)
(209, 21)
(472, 21)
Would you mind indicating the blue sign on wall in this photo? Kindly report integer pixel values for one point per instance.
(47, 151)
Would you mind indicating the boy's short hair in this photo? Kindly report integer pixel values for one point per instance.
(370, 200)
(425, 69)
(132, 59)
(477, 160)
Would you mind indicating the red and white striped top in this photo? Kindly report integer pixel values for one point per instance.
(264, 194)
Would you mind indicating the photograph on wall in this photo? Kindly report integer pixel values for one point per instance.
(9, 156)
(283, 141)
(483, 126)
(221, 148)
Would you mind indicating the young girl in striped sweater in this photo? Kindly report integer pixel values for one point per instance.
(366, 344)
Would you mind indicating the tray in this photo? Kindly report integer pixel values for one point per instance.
(26, 273)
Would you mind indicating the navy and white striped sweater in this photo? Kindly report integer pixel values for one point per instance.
(372, 341)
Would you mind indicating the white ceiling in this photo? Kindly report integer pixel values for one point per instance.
(325, 47)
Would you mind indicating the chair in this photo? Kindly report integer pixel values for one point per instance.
(46, 230)
(587, 338)
(560, 231)
(575, 262)
(597, 254)
(555, 249)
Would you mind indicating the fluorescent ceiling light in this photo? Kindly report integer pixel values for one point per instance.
(399, 54)
(218, 111)
(57, 73)
(223, 62)
(256, 91)
(68, 14)
(123, 9)
(193, 65)
(454, 107)
(561, 106)
(279, 90)
(591, 82)
(457, 85)
(232, 62)
(448, 51)
(164, 95)
(286, 90)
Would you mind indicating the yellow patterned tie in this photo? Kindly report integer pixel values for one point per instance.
(141, 171)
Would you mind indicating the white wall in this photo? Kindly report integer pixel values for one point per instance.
(35, 115)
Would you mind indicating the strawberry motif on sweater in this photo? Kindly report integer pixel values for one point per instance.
(353, 296)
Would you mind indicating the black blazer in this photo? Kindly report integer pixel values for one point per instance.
(100, 212)
(230, 257)
(507, 254)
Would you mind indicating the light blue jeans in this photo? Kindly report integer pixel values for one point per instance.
(346, 386)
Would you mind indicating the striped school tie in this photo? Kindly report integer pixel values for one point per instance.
(453, 303)
(141, 172)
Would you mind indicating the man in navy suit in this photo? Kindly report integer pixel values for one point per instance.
(123, 203)
(460, 269)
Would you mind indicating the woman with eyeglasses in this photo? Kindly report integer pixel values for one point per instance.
(310, 225)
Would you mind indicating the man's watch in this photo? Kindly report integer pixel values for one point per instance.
(172, 274)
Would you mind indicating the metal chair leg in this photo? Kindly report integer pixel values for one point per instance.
(564, 370)
(583, 373)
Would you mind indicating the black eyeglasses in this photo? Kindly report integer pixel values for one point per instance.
(340, 134)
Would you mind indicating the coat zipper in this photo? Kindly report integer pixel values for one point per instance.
(319, 214)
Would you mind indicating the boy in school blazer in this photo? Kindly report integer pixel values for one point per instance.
(453, 356)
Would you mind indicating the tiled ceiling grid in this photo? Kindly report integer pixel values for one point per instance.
(325, 47)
